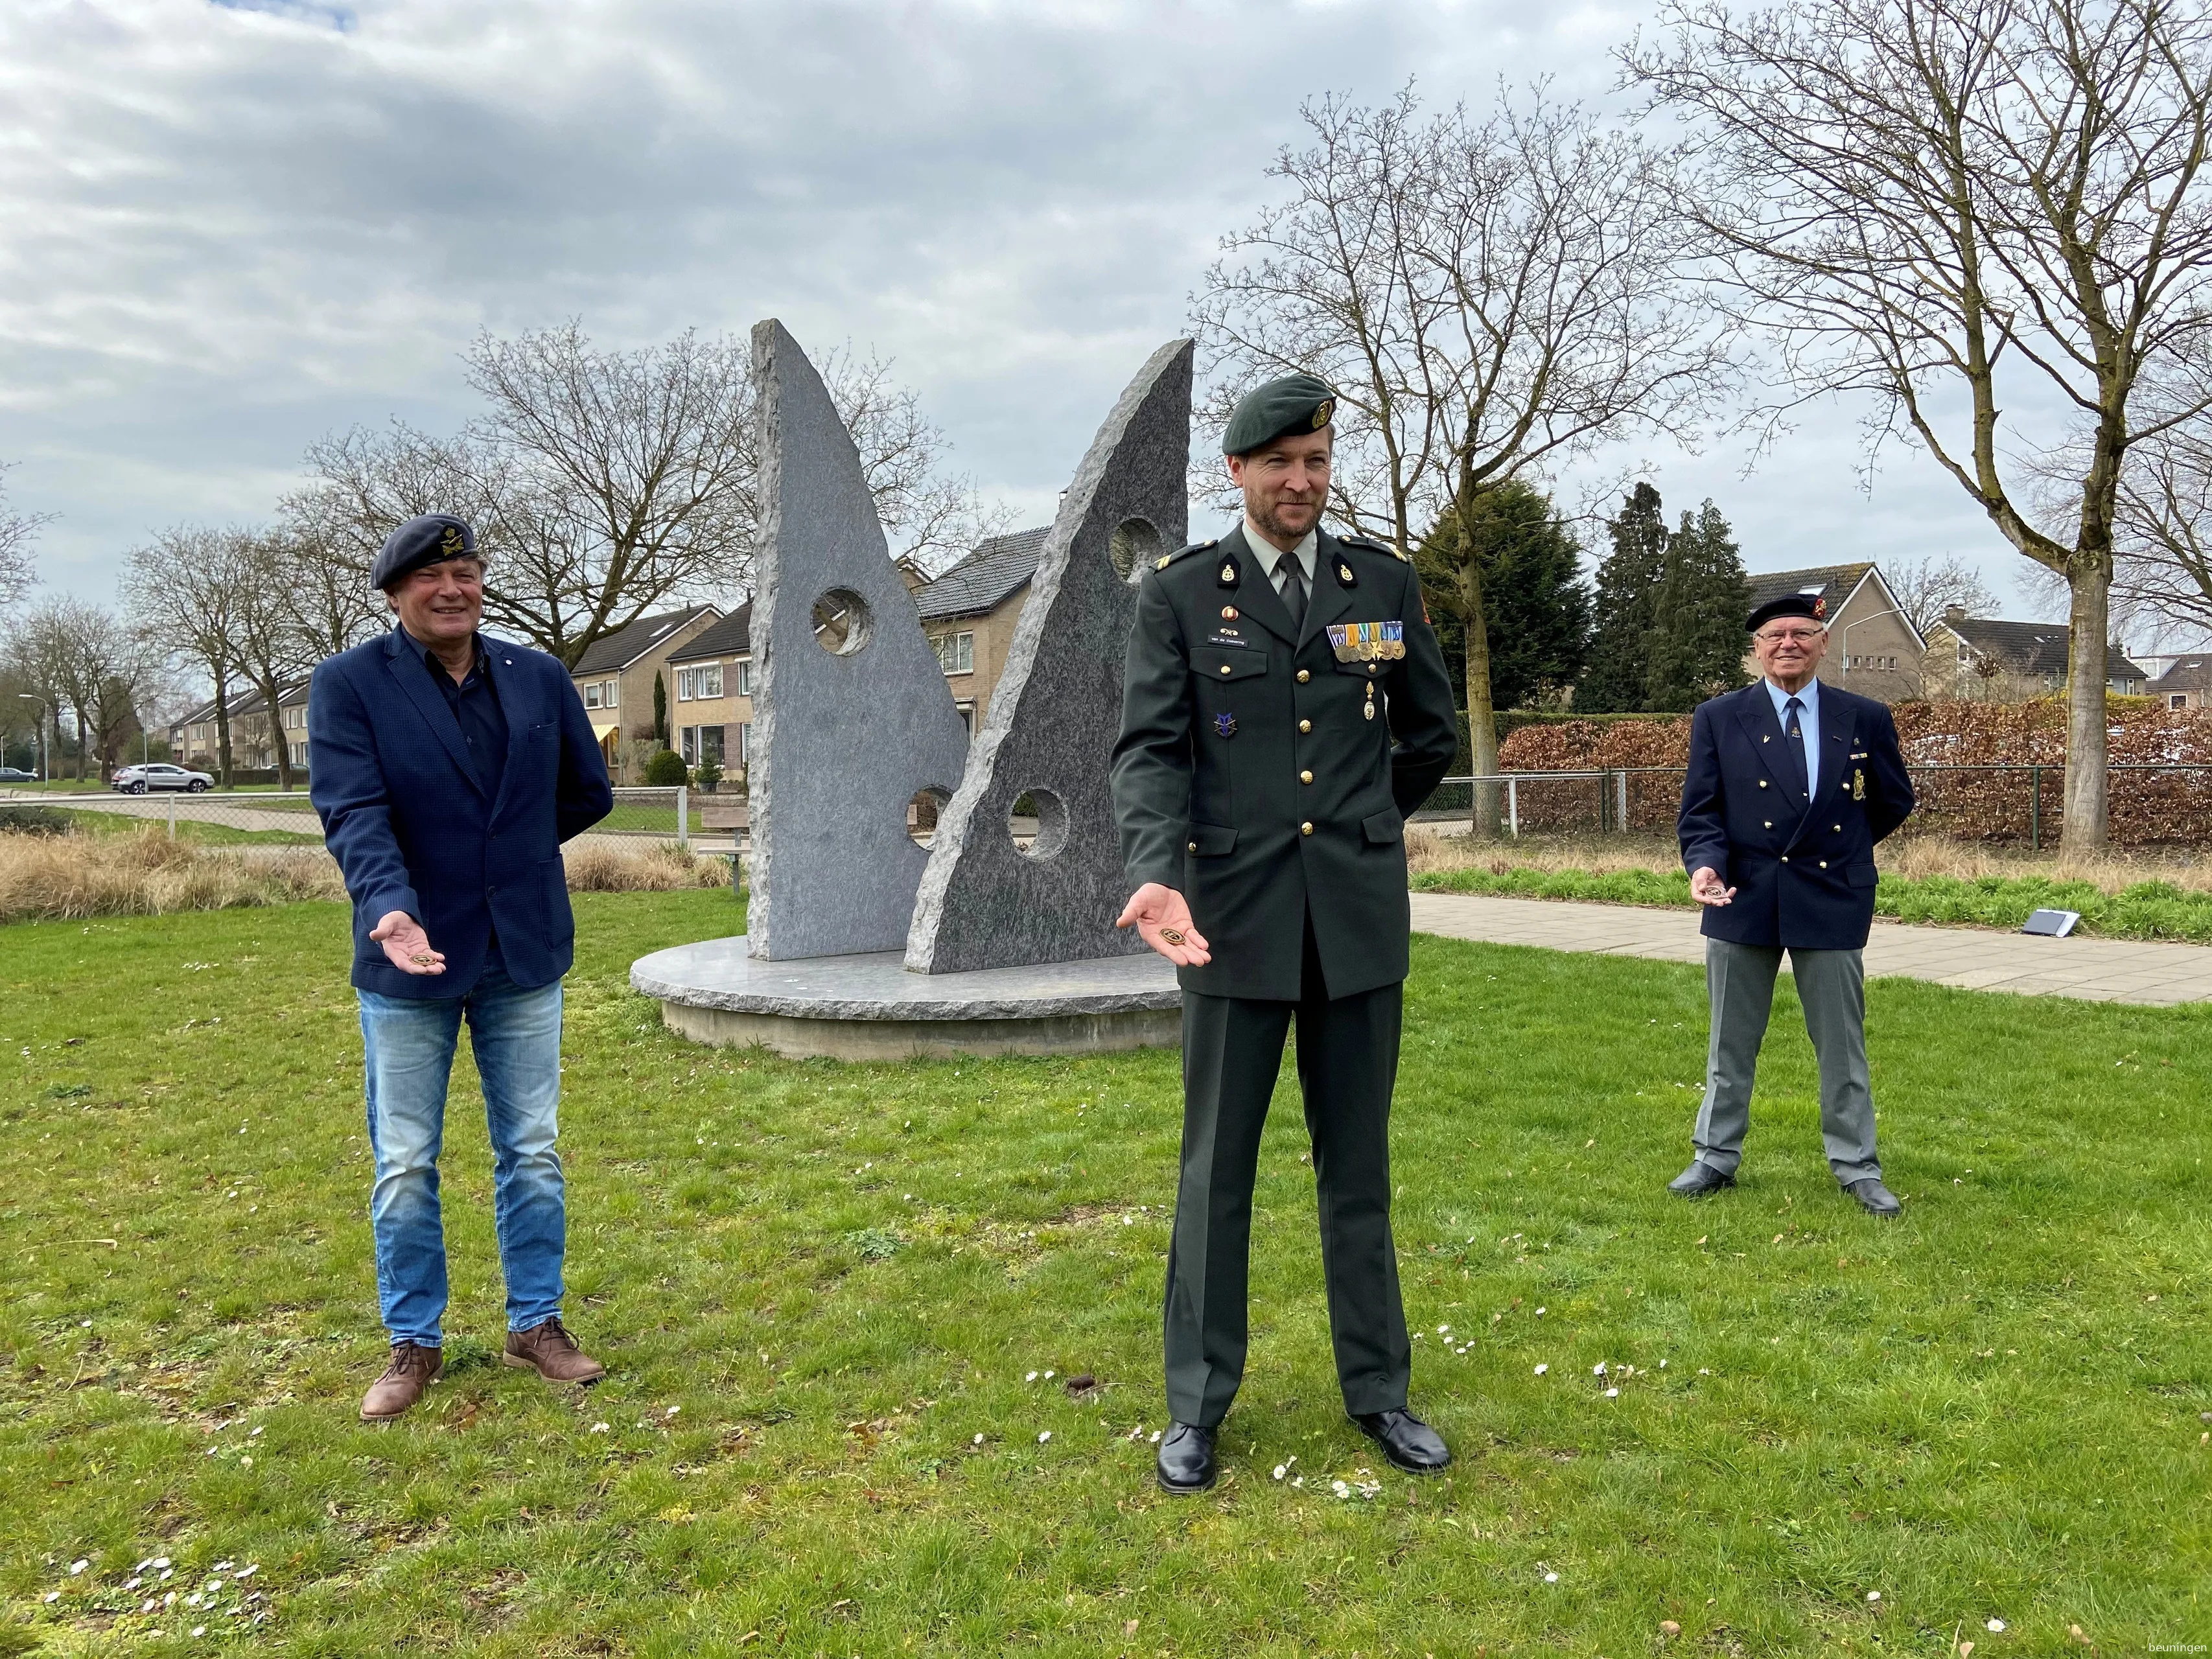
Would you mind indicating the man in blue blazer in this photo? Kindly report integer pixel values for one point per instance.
(1791, 783)
(448, 768)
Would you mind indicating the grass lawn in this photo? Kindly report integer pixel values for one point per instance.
(824, 1290)
(206, 832)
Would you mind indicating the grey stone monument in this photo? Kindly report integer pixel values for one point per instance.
(852, 717)
(1049, 733)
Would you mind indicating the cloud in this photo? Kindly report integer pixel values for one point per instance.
(226, 229)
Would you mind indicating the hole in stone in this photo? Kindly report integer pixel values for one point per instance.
(841, 622)
(1038, 823)
(1134, 546)
(921, 812)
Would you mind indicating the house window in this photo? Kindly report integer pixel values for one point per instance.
(968, 717)
(591, 694)
(955, 652)
(607, 692)
(744, 743)
(710, 680)
(710, 743)
(684, 687)
(2177, 700)
(687, 737)
(744, 677)
(299, 754)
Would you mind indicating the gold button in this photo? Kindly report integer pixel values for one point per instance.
(1769, 824)
(1824, 864)
(1225, 668)
(1762, 783)
(1194, 847)
(1785, 858)
(1372, 668)
(1303, 676)
(1305, 777)
(1305, 726)
(1305, 829)
(1839, 829)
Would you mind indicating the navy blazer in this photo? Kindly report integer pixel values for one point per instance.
(1803, 873)
(412, 829)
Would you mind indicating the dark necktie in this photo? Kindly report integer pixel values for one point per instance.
(1791, 711)
(1294, 588)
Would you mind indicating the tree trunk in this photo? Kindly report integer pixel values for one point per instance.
(2087, 778)
(1482, 718)
(278, 741)
(223, 732)
(83, 740)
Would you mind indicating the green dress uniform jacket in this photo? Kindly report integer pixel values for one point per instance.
(1266, 773)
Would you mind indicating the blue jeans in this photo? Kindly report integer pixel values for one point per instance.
(516, 1036)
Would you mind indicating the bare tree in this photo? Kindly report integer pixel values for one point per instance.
(273, 649)
(1979, 212)
(603, 484)
(17, 531)
(183, 590)
(90, 662)
(1491, 297)
(1924, 588)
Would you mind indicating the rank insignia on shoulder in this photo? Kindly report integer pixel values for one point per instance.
(1225, 724)
(1368, 641)
(1163, 561)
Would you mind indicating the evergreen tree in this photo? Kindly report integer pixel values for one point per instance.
(659, 710)
(1535, 608)
(1698, 642)
(1619, 659)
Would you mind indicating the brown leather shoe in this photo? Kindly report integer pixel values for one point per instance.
(412, 1369)
(549, 1351)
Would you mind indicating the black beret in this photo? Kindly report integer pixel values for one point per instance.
(1296, 403)
(421, 541)
(1811, 606)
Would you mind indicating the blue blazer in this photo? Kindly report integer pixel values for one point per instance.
(412, 829)
(1804, 872)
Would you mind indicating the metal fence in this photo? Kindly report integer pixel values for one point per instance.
(2010, 804)
(270, 817)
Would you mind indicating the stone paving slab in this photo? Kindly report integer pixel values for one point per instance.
(2091, 970)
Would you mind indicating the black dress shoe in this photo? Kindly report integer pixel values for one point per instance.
(1700, 1178)
(1185, 1463)
(1408, 1443)
(1875, 1198)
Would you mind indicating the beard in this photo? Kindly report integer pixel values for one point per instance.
(1269, 516)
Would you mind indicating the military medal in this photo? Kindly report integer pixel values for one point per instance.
(1229, 613)
(1859, 784)
(1225, 724)
(1170, 936)
(1368, 641)
(1370, 713)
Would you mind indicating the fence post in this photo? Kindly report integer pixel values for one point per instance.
(682, 817)
(173, 815)
(1621, 794)
(2035, 809)
(1513, 805)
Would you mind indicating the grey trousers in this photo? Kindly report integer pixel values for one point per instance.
(1831, 985)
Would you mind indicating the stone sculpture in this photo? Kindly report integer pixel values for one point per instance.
(843, 666)
(1049, 732)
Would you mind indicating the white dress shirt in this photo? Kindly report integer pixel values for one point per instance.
(1808, 722)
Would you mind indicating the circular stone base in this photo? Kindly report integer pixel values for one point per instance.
(869, 1008)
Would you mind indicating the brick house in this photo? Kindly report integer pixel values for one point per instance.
(615, 678)
(1872, 647)
(969, 614)
(2186, 684)
(195, 743)
(710, 701)
(1984, 659)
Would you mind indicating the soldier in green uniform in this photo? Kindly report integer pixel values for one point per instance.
(1284, 707)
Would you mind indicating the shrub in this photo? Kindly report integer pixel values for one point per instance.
(665, 770)
(33, 821)
(598, 865)
(707, 773)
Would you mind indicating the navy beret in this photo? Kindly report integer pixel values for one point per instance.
(1296, 403)
(421, 541)
(1811, 606)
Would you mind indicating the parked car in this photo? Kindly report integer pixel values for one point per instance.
(16, 774)
(158, 774)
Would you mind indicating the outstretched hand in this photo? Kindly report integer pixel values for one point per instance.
(1707, 887)
(1163, 920)
(406, 945)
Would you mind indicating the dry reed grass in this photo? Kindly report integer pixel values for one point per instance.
(70, 877)
(1912, 856)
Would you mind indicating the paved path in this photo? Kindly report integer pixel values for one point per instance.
(2093, 969)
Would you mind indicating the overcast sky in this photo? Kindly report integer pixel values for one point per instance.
(228, 229)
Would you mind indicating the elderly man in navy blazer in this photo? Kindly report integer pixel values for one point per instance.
(1791, 783)
(448, 768)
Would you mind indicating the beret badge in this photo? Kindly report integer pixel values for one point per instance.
(1323, 411)
(450, 543)
(1819, 610)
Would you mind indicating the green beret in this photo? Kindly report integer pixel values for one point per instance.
(1296, 403)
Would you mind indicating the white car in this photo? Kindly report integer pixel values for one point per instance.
(158, 774)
